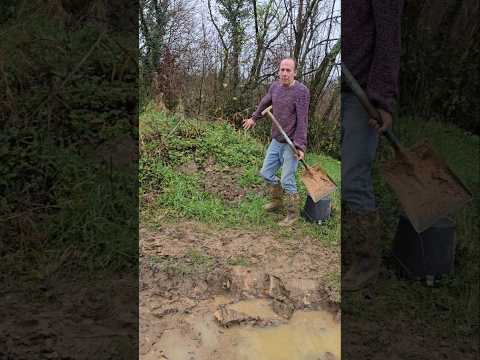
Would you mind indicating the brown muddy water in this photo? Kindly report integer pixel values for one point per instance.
(307, 335)
(271, 309)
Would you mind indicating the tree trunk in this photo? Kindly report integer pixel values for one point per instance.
(321, 76)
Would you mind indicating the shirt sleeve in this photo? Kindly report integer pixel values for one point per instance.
(382, 88)
(301, 106)
(264, 103)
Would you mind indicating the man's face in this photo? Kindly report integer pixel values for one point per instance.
(287, 71)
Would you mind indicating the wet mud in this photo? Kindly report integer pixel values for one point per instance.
(277, 306)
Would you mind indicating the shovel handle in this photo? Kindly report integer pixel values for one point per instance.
(371, 110)
(285, 136)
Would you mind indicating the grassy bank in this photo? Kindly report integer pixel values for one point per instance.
(208, 172)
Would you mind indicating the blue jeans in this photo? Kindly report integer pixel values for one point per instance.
(280, 156)
(358, 149)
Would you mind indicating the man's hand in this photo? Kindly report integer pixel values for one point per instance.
(386, 119)
(248, 123)
(299, 155)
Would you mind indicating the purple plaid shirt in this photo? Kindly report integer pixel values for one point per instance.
(290, 108)
(371, 47)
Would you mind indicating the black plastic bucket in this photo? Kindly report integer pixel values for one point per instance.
(426, 255)
(319, 211)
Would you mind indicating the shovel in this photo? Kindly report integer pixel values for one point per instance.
(315, 179)
(426, 187)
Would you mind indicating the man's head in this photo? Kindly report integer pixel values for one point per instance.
(287, 71)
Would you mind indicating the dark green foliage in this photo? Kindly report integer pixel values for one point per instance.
(7, 10)
(168, 142)
(324, 137)
(70, 89)
(439, 69)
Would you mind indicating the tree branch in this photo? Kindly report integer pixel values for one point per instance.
(220, 35)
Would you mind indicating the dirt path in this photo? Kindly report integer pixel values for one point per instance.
(258, 285)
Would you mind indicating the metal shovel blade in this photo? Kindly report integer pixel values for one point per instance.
(426, 187)
(315, 179)
(317, 182)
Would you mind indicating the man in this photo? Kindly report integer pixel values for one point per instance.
(371, 51)
(290, 100)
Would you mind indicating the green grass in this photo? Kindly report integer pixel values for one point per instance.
(249, 177)
(333, 286)
(199, 259)
(240, 261)
(168, 142)
(452, 305)
(61, 212)
(85, 218)
(194, 262)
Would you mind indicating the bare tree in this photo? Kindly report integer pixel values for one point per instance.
(265, 35)
(221, 37)
(322, 75)
(226, 51)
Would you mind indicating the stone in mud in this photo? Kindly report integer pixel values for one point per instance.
(282, 304)
(246, 283)
(276, 289)
(285, 308)
(227, 317)
(254, 312)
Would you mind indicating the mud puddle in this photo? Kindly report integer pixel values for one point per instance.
(271, 308)
(308, 335)
(256, 308)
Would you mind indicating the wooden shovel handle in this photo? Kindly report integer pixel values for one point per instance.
(287, 139)
(371, 110)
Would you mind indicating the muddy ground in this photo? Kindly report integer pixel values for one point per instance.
(221, 181)
(199, 285)
(389, 332)
(79, 318)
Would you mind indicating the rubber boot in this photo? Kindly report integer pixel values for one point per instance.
(276, 198)
(291, 202)
(365, 239)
